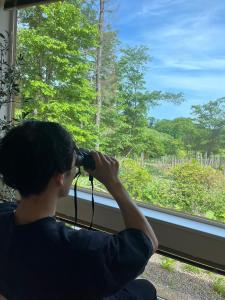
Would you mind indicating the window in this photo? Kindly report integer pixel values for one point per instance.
(158, 69)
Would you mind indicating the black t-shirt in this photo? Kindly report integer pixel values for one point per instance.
(47, 260)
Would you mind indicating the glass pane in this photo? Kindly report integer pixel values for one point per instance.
(143, 83)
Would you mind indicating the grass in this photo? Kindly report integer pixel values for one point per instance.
(219, 286)
(167, 263)
(192, 269)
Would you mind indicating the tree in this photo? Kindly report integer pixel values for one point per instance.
(58, 42)
(155, 144)
(133, 100)
(105, 75)
(61, 44)
(98, 69)
(210, 117)
(182, 129)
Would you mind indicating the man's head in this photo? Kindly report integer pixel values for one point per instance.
(35, 153)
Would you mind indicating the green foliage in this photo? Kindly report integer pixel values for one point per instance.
(194, 173)
(192, 269)
(197, 189)
(58, 43)
(10, 75)
(126, 119)
(219, 286)
(154, 144)
(135, 178)
(158, 192)
(205, 132)
(189, 188)
(167, 263)
(210, 117)
(183, 130)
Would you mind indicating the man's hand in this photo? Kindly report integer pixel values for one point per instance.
(106, 169)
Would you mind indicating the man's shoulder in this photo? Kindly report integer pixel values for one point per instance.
(83, 239)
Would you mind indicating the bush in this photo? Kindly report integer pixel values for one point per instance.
(135, 178)
(199, 190)
(188, 187)
(193, 173)
(158, 192)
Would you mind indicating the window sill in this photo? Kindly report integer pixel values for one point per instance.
(188, 238)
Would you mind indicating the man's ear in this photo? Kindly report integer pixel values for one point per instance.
(59, 179)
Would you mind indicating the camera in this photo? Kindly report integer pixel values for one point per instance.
(85, 159)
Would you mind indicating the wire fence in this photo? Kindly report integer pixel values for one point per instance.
(214, 161)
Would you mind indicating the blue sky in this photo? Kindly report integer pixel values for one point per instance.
(186, 39)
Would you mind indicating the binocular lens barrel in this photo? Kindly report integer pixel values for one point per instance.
(85, 159)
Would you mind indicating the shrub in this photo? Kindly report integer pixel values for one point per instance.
(198, 189)
(158, 192)
(187, 187)
(135, 178)
(194, 173)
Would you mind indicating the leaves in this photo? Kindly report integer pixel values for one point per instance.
(57, 42)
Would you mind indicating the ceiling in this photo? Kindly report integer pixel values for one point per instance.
(20, 3)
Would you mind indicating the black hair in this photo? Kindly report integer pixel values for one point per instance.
(32, 152)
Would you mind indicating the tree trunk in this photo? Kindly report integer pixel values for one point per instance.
(98, 71)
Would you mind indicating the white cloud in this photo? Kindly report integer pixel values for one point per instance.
(205, 84)
(187, 45)
(188, 41)
(159, 7)
(192, 33)
(202, 64)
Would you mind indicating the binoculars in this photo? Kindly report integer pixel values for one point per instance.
(85, 159)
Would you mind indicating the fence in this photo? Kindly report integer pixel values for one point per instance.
(215, 161)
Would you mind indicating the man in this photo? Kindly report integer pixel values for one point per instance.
(43, 259)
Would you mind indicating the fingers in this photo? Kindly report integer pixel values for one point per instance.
(96, 157)
(112, 160)
(109, 158)
(106, 169)
(103, 158)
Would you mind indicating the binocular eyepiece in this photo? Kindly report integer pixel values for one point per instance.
(84, 159)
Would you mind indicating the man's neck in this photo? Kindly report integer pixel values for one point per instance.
(33, 208)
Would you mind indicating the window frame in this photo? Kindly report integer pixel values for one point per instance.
(9, 4)
(192, 239)
(184, 237)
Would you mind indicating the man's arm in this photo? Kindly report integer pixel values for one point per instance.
(107, 169)
(132, 216)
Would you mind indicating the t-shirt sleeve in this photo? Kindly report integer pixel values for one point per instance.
(115, 259)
